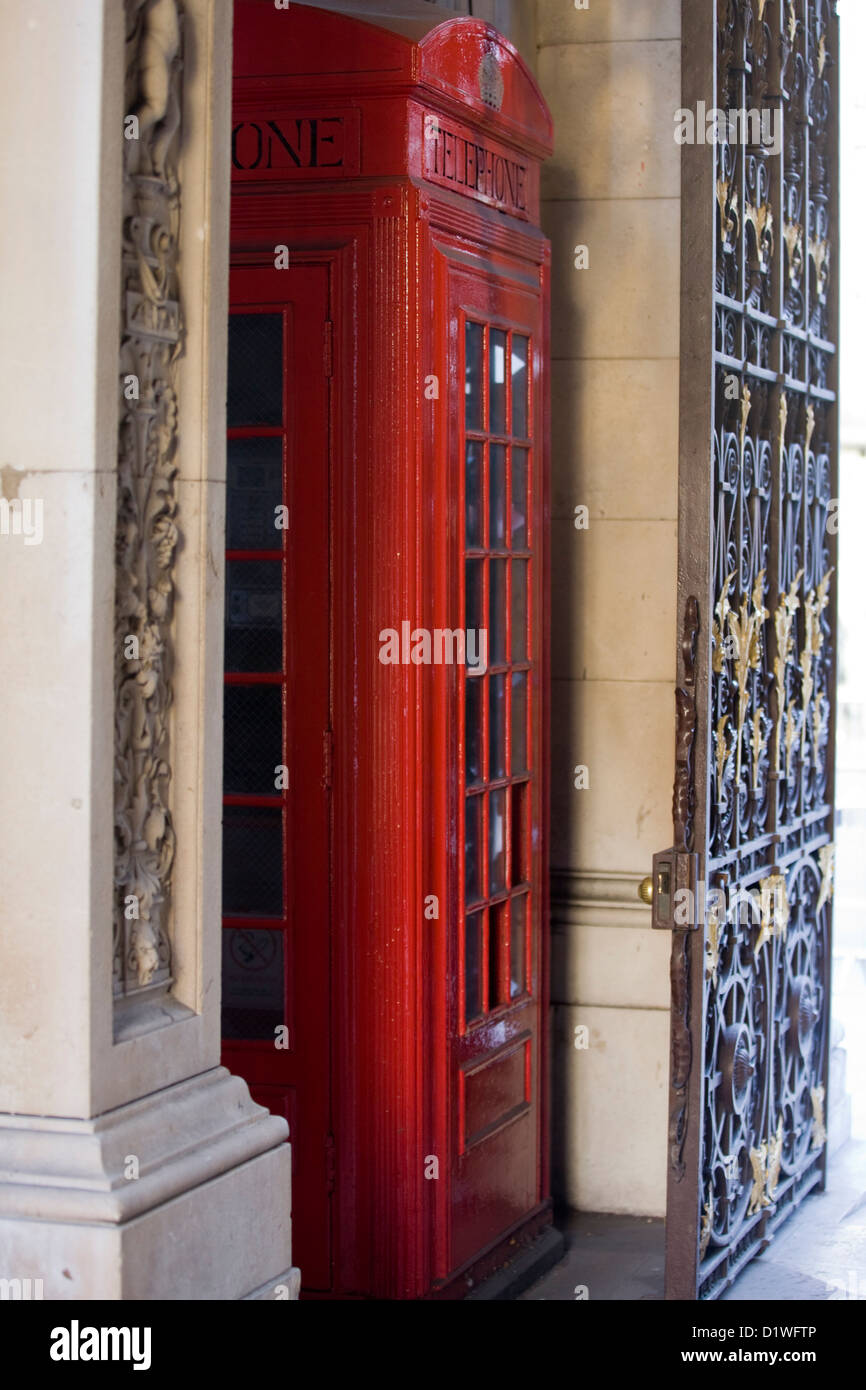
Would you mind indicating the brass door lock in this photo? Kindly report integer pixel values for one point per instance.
(670, 888)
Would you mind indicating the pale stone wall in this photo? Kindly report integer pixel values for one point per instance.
(611, 75)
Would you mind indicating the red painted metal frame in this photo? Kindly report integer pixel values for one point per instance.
(393, 242)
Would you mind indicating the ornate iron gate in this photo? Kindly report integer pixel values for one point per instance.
(746, 889)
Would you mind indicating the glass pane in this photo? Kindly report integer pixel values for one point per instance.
(496, 951)
(498, 539)
(519, 648)
(519, 813)
(252, 738)
(254, 491)
(520, 387)
(496, 841)
(472, 849)
(474, 495)
(518, 945)
(252, 861)
(519, 474)
(474, 598)
(254, 616)
(474, 374)
(498, 343)
(255, 387)
(252, 980)
(497, 727)
(518, 723)
(496, 641)
(473, 963)
(474, 693)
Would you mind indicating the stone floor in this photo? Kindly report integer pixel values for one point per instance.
(611, 1257)
(818, 1254)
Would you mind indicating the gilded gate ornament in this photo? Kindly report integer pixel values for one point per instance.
(723, 753)
(783, 424)
(706, 1224)
(819, 250)
(745, 632)
(810, 429)
(827, 861)
(745, 410)
(723, 608)
(760, 219)
(759, 743)
(147, 532)
(775, 909)
(715, 914)
(819, 1132)
(814, 606)
(792, 728)
(794, 243)
(766, 1162)
(793, 23)
(729, 216)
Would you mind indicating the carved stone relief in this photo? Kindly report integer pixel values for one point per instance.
(147, 529)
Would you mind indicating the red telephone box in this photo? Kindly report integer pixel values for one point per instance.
(386, 716)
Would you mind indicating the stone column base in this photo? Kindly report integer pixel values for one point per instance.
(184, 1194)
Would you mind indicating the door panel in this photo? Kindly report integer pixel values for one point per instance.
(746, 887)
(496, 1071)
(276, 844)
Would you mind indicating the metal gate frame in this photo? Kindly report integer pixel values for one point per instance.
(754, 785)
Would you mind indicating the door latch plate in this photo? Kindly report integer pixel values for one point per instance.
(675, 879)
